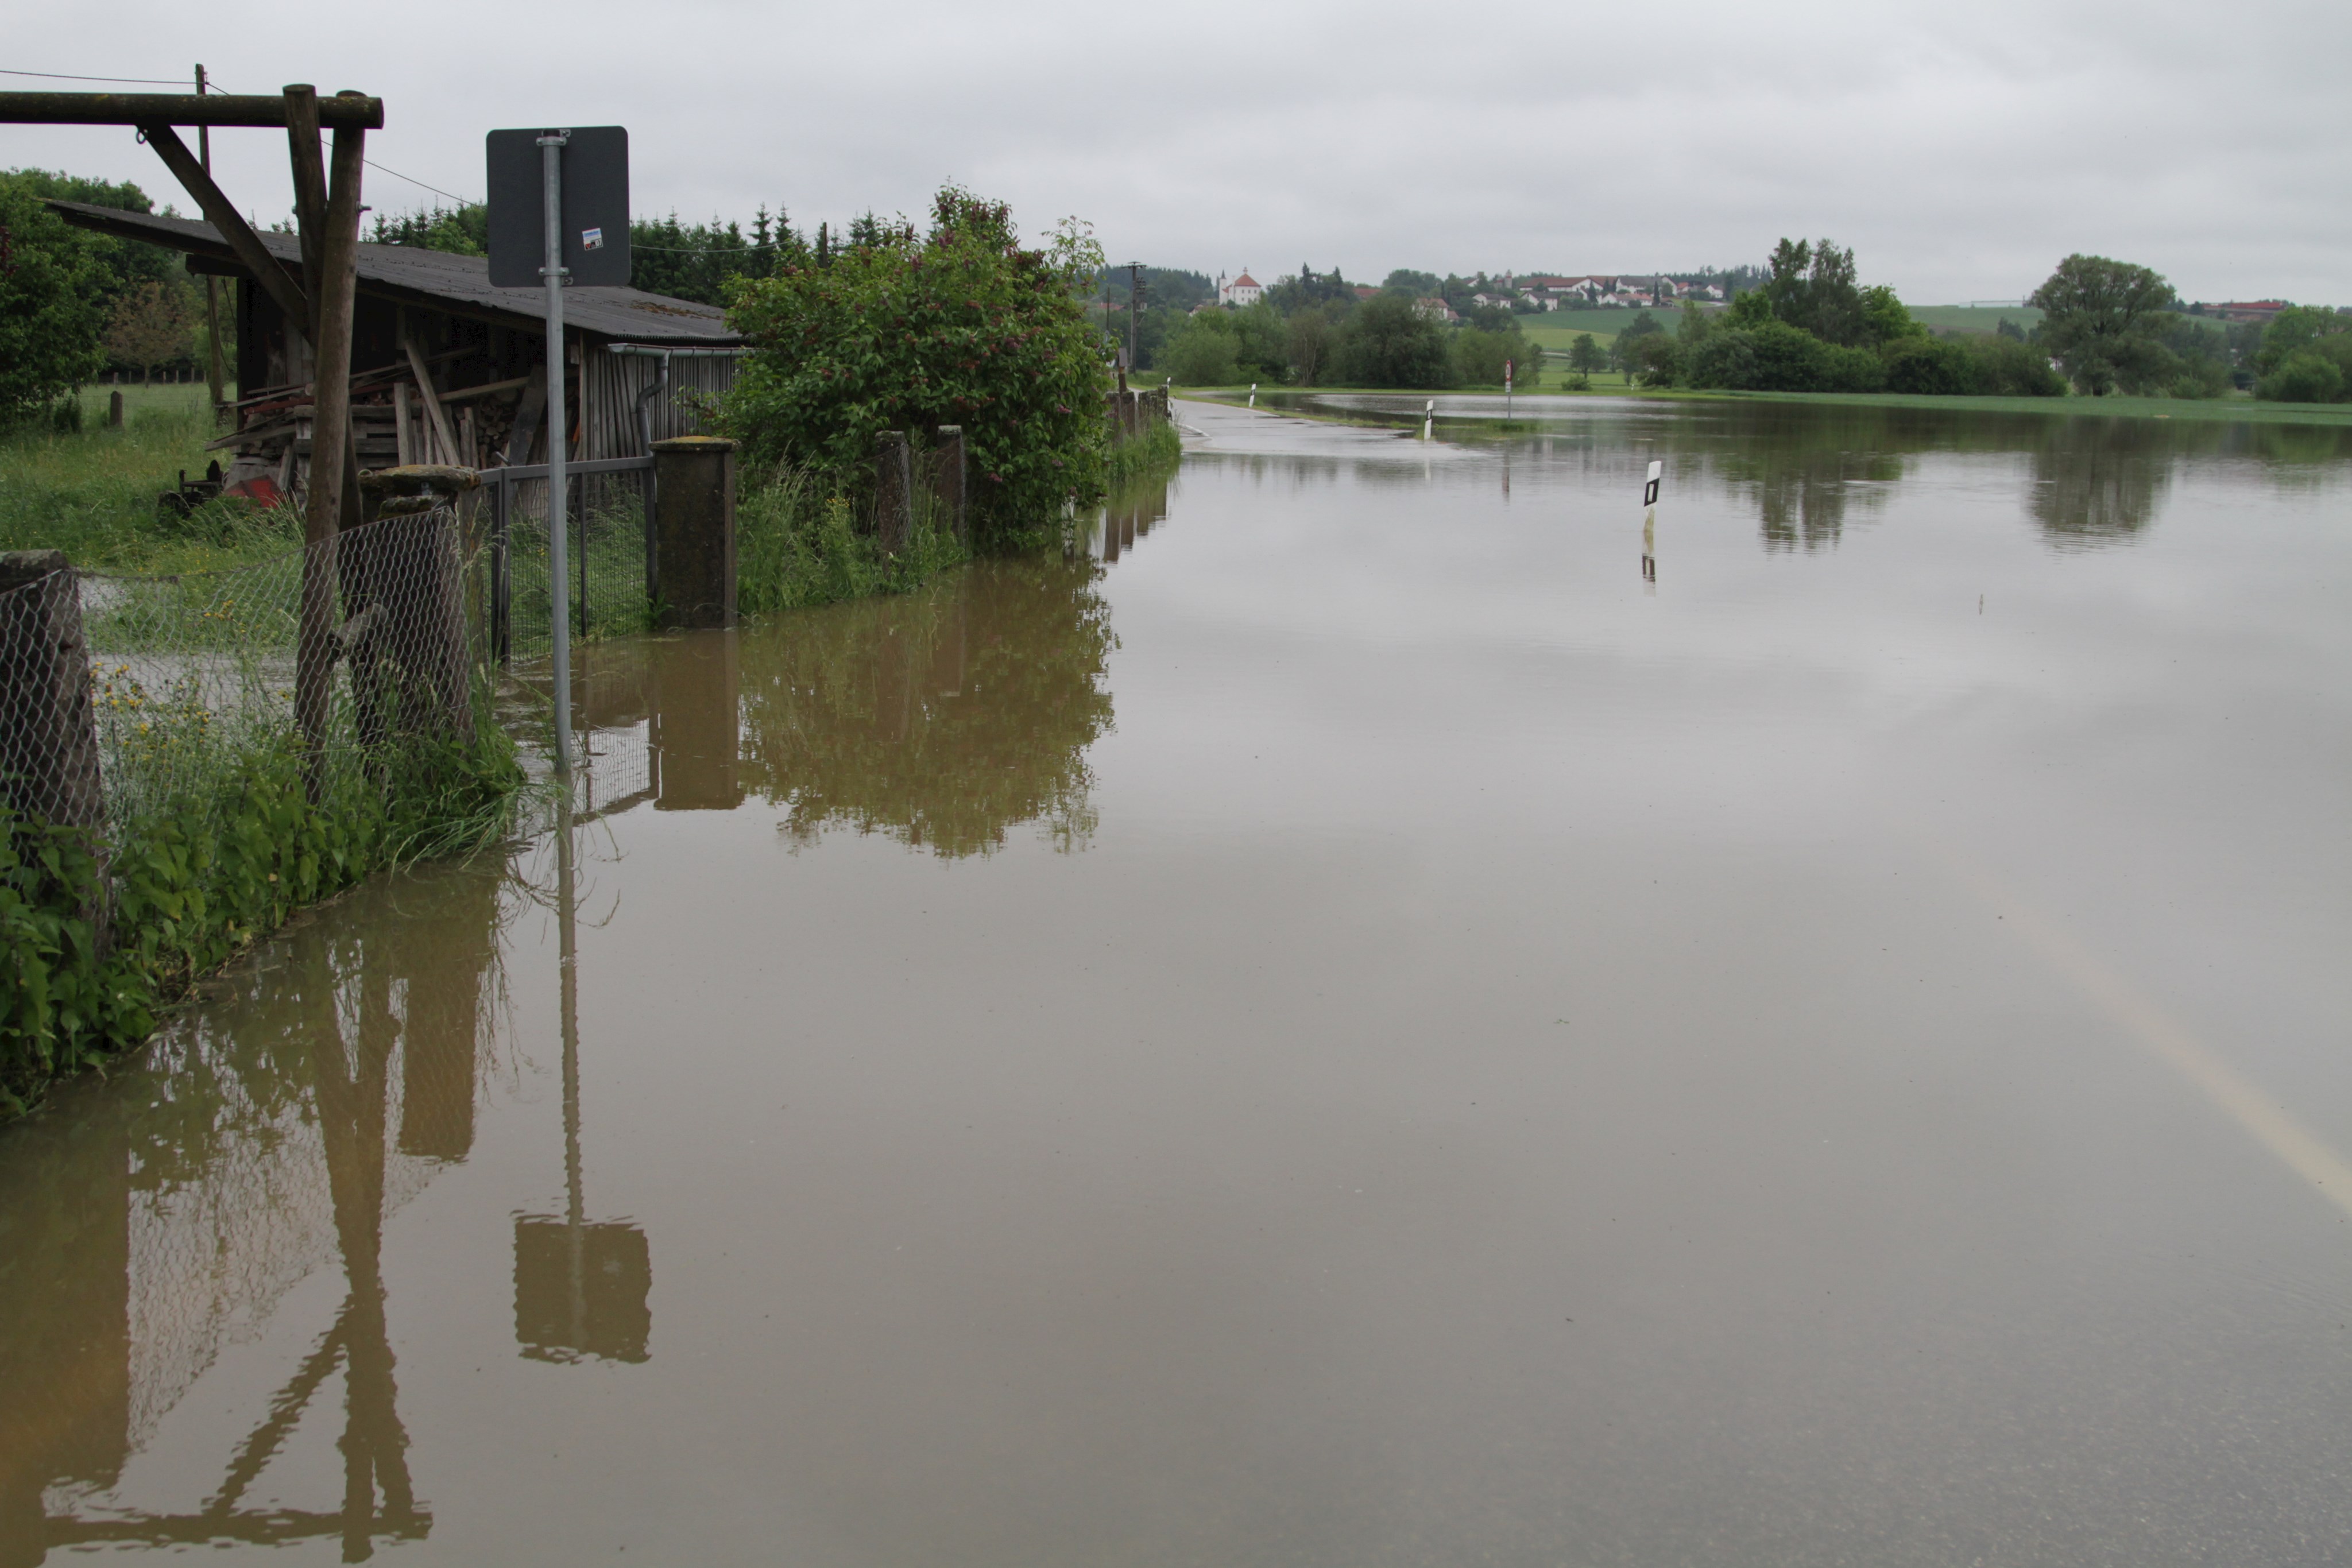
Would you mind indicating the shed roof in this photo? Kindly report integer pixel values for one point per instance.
(458, 284)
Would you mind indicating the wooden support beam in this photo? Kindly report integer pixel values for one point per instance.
(425, 394)
(355, 110)
(266, 270)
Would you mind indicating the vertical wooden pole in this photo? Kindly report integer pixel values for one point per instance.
(213, 374)
(328, 211)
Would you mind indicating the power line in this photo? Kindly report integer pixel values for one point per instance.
(62, 76)
(380, 168)
(461, 201)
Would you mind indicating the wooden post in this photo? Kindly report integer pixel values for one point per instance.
(331, 259)
(694, 531)
(415, 603)
(894, 492)
(948, 481)
(115, 409)
(214, 378)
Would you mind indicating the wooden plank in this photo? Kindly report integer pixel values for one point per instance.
(528, 415)
(425, 391)
(406, 453)
(488, 389)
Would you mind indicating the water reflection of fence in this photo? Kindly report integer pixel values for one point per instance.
(287, 1122)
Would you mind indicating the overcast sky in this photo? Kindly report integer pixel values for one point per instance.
(1961, 149)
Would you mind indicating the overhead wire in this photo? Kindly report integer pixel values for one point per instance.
(64, 76)
(214, 86)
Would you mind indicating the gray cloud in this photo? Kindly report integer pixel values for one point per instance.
(1961, 150)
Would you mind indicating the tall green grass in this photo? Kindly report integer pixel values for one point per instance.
(92, 493)
(799, 541)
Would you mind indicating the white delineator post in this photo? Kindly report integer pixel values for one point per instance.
(1507, 391)
(1650, 524)
(1253, 402)
(551, 148)
(1429, 420)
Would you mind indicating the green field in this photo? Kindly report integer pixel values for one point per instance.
(1974, 318)
(92, 495)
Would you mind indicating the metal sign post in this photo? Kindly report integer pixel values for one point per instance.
(559, 498)
(557, 231)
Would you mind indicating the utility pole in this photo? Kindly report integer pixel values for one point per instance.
(213, 375)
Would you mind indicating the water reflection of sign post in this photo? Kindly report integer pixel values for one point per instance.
(554, 198)
(580, 1290)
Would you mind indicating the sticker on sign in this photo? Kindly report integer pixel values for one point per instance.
(592, 240)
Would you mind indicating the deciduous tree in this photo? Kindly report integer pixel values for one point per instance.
(52, 306)
(2103, 322)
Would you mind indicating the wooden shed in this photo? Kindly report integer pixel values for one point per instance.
(445, 367)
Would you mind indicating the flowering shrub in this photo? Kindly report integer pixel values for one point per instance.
(963, 326)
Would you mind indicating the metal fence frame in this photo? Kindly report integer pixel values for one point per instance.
(500, 483)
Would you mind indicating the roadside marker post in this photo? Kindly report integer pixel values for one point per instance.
(1429, 420)
(1253, 402)
(559, 215)
(1507, 392)
(1650, 524)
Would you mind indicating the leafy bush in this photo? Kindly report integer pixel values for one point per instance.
(2295, 327)
(195, 875)
(2010, 367)
(1203, 353)
(1389, 343)
(964, 326)
(1479, 356)
(2307, 375)
(1931, 366)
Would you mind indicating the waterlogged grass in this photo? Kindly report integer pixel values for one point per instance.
(800, 542)
(1156, 449)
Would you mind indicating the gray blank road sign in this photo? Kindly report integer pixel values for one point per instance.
(595, 206)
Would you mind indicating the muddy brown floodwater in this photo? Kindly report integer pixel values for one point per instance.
(1353, 1021)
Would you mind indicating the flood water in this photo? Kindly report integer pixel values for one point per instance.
(1367, 1017)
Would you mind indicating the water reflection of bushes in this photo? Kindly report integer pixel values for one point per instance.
(942, 718)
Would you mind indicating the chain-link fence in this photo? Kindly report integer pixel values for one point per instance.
(611, 500)
(186, 758)
(330, 654)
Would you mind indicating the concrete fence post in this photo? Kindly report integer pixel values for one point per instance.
(694, 532)
(948, 482)
(49, 732)
(114, 411)
(894, 491)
